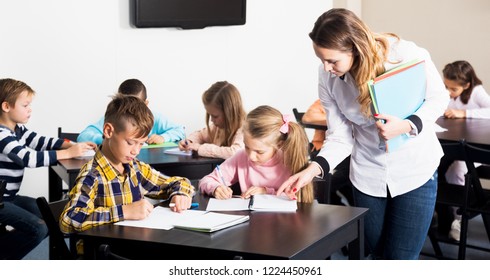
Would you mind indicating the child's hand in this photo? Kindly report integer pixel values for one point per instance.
(155, 139)
(184, 145)
(180, 203)
(77, 150)
(223, 192)
(137, 210)
(455, 114)
(253, 191)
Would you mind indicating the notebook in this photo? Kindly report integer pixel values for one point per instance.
(260, 202)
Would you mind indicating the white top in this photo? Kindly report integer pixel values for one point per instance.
(478, 106)
(372, 169)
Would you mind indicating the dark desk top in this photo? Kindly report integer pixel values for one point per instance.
(152, 156)
(474, 131)
(313, 230)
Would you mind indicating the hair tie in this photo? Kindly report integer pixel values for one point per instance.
(285, 125)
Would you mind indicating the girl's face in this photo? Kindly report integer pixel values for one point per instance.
(217, 116)
(259, 151)
(335, 62)
(455, 89)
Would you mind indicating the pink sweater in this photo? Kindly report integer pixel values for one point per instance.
(210, 149)
(239, 168)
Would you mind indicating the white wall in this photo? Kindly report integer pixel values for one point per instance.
(74, 54)
(450, 30)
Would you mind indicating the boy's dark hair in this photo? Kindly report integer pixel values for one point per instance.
(133, 87)
(124, 110)
(10, 90)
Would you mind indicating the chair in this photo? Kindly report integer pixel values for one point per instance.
(105, 253)
(58, 249)
(299, 119)
(67, 135)
(471, 199)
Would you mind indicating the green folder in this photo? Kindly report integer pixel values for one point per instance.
(399, 92)
(162, 145)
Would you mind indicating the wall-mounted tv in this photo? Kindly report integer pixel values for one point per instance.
(188, 14)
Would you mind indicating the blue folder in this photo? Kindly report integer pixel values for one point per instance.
(399, 92)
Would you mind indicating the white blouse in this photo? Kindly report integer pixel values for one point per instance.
(373, 170)
(478, 106)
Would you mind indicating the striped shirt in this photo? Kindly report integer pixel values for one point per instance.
(100, 191)
(20, 149)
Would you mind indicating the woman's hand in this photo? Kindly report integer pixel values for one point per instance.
(392, 126)
(292, 185)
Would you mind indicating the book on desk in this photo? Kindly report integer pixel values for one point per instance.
(197, 220)
(259, 202)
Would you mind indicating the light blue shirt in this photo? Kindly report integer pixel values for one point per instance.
(170, 132)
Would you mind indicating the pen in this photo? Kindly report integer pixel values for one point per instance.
(185, 137)
(220, 175)
(193, 205)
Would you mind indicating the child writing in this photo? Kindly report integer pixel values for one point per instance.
(112, 185)
(23, 148)
(468, 100)
(222, 137)
(163, 130)
(275, 148)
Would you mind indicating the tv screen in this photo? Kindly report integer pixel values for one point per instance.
(188, 14)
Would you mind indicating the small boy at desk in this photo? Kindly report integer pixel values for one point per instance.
(163, 130)
(112, 185)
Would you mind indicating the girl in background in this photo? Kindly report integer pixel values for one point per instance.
(275, 148)
(468, 100)
(222, 137)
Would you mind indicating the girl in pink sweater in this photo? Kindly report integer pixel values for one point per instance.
(222, 137)
(275, 148)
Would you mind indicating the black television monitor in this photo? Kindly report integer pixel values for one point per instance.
(188, 14)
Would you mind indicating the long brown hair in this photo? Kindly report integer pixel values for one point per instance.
(266, 121)
(226, 97)
(462, 73)
(342, 30)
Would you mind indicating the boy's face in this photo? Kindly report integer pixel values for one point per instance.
(123, 146)
(21, 111)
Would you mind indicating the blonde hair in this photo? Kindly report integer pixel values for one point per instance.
(226, 98)
(265, 121)
(342, 30)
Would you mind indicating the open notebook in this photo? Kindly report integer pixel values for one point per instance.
(198, 220)
(260, 202)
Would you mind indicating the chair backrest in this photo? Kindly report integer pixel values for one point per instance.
(299, 119)
(67, 135)
(58, 249)
(477, 155)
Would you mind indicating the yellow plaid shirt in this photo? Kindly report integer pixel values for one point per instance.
(100, 191)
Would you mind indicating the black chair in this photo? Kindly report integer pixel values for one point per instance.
(58, 248)
(299, 119)
(471, 199)
(105, 253)
(67, 135)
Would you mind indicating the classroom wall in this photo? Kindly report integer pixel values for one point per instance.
(450, 30)
(76, 53)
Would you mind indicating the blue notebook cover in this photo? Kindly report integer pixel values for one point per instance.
(399, 92)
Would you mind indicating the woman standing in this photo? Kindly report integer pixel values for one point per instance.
(398, 187)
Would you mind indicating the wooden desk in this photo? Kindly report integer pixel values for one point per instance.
(474, 131)
(315, 231)
(193, 168)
